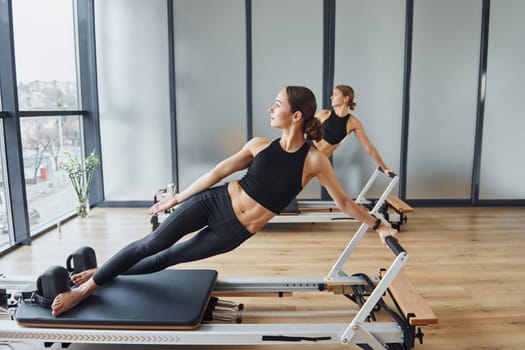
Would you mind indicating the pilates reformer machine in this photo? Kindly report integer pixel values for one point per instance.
(387, 207)
(182, 307)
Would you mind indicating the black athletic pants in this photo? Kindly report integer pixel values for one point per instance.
(209, 211)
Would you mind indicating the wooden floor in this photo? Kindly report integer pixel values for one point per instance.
(468, 263)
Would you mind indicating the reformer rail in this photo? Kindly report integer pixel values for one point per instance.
(376, 335)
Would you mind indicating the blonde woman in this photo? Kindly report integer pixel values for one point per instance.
(339, 122)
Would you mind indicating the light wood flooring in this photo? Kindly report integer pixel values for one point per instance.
(468, 263)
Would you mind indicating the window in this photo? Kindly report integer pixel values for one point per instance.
(46, 73)
(45, 54)
(5, 236)
(50, 194)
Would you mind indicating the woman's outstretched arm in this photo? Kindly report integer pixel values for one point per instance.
(322, 169)
(230, 165)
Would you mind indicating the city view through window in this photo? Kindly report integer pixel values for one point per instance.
(45, 57)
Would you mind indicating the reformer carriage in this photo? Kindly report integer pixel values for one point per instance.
(184, 307)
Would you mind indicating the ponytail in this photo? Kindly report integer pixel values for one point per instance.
(347, 91)
(303, 99)
(313, 129)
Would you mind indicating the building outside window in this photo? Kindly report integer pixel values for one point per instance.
(50, 195)
(45, 56)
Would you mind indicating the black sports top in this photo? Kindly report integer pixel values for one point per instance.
(275, 176)
(334, 128)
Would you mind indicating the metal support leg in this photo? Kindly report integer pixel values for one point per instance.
(337, 269)
(374, 298)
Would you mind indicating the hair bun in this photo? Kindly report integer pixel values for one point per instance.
(313, 129)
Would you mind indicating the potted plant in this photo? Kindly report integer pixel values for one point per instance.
(81, 177)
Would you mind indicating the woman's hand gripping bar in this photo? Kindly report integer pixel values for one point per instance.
(394, 245)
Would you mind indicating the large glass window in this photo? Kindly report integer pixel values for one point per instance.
(45, 54)
(50, 194)
(5, 234)
(4, 217)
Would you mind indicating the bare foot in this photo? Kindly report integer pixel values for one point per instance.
(67, 300)
(83, 276)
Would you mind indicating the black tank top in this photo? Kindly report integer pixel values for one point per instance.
(275, 176)
(334, 128)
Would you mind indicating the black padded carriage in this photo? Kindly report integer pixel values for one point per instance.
(169, 299)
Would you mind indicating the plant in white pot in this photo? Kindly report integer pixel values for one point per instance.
(81, 176)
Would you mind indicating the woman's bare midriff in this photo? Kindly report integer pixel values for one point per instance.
(251, 214)
(326, 148)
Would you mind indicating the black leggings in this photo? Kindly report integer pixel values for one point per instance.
(210, 209)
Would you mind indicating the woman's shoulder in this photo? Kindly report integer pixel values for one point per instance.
(353, 123)
(258, 140)
(257, 143)
(323, 114)
(316, 158)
